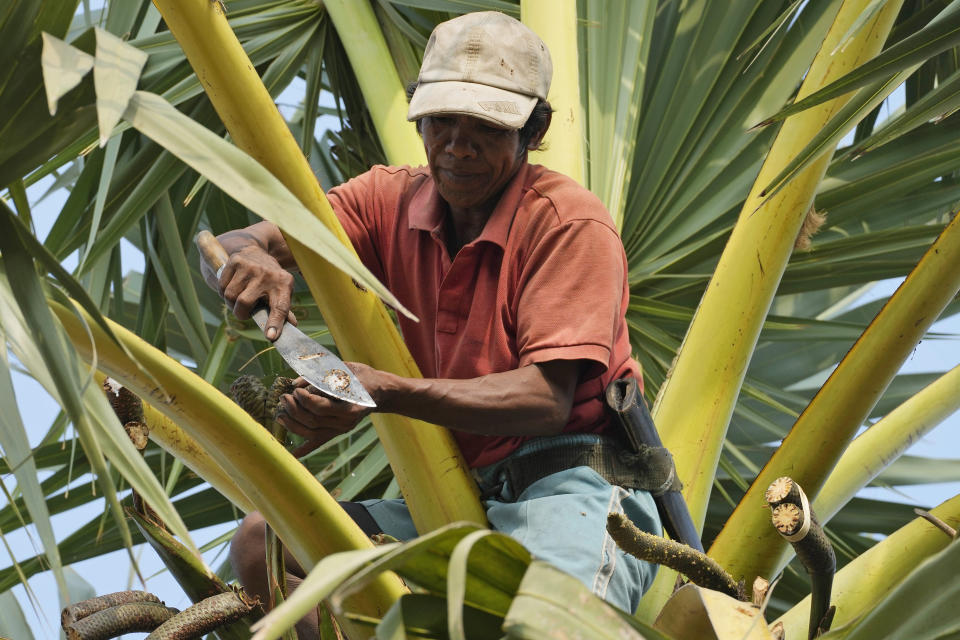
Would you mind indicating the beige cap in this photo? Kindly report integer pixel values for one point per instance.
(487, 65)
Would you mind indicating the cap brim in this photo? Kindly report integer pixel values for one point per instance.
(499, 106)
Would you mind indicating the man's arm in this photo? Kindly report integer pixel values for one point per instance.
(258, 269)
(530, 401)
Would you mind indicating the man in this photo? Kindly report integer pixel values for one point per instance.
(518, 277)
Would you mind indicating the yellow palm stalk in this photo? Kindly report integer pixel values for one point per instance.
(888, 439)
(715, 352)
(292, 501)
(695, 403)
(873, 450)
(555, 21)
(747, 546)
(860, 585)
(179, 443)
(357, 320)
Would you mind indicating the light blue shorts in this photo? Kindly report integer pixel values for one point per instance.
(561, 519)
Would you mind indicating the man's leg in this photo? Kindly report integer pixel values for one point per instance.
(562, 519)
(248, 556)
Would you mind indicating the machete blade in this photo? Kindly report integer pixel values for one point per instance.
(316, 364)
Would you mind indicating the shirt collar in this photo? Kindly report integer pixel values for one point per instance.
(427, 210)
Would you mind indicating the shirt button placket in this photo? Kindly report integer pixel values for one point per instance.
(448, 301)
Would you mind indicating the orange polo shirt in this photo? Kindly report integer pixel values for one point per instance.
(545, 280)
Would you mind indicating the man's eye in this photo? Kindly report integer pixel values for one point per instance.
(494, 130)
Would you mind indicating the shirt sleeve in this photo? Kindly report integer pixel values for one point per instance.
(355, 205)
(571, 294)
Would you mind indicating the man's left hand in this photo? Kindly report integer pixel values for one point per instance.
(309, 413)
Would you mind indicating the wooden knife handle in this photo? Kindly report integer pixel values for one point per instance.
(211, 250)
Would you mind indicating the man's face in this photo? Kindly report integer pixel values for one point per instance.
(471, 160)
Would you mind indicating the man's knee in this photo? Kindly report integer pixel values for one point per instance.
(248, 547)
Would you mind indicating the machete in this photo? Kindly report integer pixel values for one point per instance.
(312, 361)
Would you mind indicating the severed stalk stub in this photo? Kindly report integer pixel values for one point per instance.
(783, 489)
(790, 521)
(794, 519)
(758, 594)
(777, 631)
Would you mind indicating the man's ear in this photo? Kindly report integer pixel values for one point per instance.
(538, 137)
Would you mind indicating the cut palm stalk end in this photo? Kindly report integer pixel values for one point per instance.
(793, 519)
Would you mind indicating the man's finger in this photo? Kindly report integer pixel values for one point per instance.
(279, 310)
(275, 323)
(292, 424)
(303, 425)
(245, 302)
(312, 417)
(312, 400)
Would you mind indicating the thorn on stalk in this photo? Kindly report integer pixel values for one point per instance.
(937, 522)
(760, 125)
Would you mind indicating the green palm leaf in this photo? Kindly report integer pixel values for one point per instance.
(941, 34)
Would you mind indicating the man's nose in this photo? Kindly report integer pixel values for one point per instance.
(460, 144)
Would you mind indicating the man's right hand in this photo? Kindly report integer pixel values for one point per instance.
(253, 274)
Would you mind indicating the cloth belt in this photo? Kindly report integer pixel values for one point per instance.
(651, 469)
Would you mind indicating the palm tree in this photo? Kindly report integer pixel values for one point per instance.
(737, 331)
